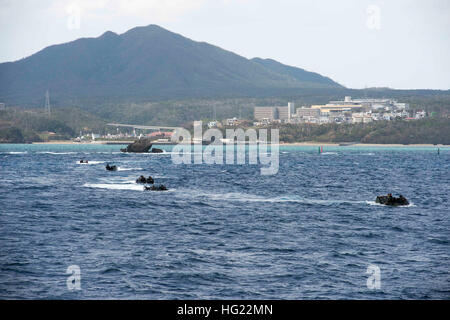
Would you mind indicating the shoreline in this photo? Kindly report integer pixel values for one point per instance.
(332, 144)
(298, 144)
(83, 143)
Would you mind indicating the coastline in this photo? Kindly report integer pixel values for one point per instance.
(331, 144)
(305, 144)
(82, 143)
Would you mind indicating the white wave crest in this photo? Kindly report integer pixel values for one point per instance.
(91, 162)
(55, 153)
(115, 186)
(121, 186)
(129, 169)
(15, 152)
(329, 153)
(373, 203)
(241, 197)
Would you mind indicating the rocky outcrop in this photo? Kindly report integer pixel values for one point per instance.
(139, 146)
(389, 200)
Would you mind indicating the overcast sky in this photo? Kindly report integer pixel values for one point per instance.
(358, 43)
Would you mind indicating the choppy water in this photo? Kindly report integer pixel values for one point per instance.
(223, 231)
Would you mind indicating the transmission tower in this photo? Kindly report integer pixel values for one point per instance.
(47, 102)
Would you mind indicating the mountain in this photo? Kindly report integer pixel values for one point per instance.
(145, 63)
(305, 78)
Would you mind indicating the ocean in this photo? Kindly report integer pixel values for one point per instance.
(224, 231)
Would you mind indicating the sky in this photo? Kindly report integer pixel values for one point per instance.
(401, 44)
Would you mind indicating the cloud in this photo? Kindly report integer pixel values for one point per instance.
(160, 10)
(163, 9)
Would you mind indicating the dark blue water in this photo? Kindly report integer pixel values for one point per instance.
(223, 231)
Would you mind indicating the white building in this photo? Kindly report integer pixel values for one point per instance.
(361, 118)
(373, 104)
(275, 112)
(233, 121)
(324, 119)
(420, 114)
(401, 105)
(212, 124)
(291, 109)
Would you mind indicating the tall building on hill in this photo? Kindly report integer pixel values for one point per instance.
(265, 113)
(308, 112)
(274, 113)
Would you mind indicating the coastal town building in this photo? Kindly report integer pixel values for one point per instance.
(233, 121)
(420, 114)
(361, 118)
(339, 111)
(307, 112)
(372, 104)
(261, 113)
(281, 113)
(212, 124)
(338, 108)
(262, 122)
